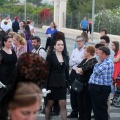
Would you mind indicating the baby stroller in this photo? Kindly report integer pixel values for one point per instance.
(116, 99)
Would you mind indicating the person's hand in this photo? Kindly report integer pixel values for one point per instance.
(2, 85)
(45, 92)
(47, 35)
(79, 71)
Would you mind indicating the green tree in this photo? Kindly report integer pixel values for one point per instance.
(85, 6)
(2, 2)
(37, 2)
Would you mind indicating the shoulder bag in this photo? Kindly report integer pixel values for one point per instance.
(77, 86)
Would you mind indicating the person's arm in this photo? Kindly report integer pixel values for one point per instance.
(111, 56)
(43, 53)
(80, 25)
(72, 60)
(47, 33)
(49, 62)
(89, 65)
(117, 59)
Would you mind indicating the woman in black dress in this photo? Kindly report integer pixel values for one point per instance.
(58, 69)
(84, 71)
(8, 60)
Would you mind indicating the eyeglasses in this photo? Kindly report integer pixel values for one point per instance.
(79, 40)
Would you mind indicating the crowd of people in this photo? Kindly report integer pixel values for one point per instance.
(27, 68)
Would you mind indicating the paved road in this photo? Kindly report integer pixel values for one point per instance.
(115, 112)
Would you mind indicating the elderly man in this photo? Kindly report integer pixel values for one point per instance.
(100, 84)
(75, 59)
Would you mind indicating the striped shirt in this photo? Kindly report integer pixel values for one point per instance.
(102, 73)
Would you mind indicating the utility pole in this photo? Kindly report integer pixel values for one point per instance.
(25, 10)
(93, 12)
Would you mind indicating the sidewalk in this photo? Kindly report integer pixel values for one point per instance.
(73, 37)
(68, 36)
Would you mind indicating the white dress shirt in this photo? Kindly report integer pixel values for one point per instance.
(76, 57)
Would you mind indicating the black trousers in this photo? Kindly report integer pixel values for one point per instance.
(99, 96)
(84, 104)
(73, 94)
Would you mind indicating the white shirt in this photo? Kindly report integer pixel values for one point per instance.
(32, 29)
(40, 52)
(9, 24)
(76, 57)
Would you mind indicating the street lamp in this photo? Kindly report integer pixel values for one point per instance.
(93, 12)
(25, 10)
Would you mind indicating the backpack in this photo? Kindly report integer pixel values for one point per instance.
(40, 49)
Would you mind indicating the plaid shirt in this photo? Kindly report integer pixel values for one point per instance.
(102, 73)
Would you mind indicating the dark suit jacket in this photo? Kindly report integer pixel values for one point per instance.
(57, 73)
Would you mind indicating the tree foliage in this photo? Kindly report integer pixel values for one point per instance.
(37, 2)
(2, 2)
(85, 6)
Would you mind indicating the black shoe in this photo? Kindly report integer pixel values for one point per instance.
(72, 116)
(43, 111)
(55, 113)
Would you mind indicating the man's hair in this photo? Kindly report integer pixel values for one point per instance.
(104, 30)
(99, 45)
(105, 50)
(82, 37)
(37, 38)
(106, 38)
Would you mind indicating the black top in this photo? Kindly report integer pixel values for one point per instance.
(15, 26)
(58, 72)
(7, 66)
(87, 67)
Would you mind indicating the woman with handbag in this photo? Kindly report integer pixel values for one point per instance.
(84, 70)
(58, 74)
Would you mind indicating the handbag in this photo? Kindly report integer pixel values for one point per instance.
(77, 86)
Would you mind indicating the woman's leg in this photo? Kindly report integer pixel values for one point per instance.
(48, 109)
(63, 111)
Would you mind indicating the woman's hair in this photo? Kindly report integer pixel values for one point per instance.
(56, 37)
(91, 50)
(116, 43)
(2, 34)
(5, 39)
(11, 34)
(54, 24)
(20, 39)
(24, 22)
(31, 68)
(22, 34)
(85, 35)
(27, 29)
(26, 94)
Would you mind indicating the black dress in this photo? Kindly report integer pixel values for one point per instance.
(7, 66)
(57, 76)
